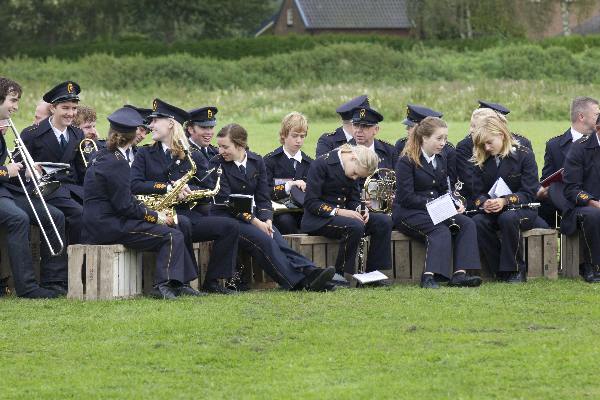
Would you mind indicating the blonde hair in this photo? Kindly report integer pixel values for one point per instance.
(365, 157)
(291, 121)
(424, 129)
(480, 114)
(177, 137)
(491, 126)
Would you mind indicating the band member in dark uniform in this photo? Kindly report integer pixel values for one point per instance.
(464, 148)
(56, 140)
(141, 131)
(497, 155)
(161, 165)
(244, 173)
(332, 203)
(584, 112)
(345, 133)
(422, 175)
(287, 168)
(364, 134)
(200, 130)
(16, 215)
(112, 215)
(582, 189)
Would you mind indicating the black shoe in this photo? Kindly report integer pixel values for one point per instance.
(515, 277)
(428, 282)
(4, 291)
(339, 280)
(164, 291)
(588, 273)
(214, 287)
(238, 286)
(461, 279)
(187, 290)
(59, 287)
(316, 280)
(40, 293)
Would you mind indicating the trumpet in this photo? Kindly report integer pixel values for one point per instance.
(41, 187)
(87, 147)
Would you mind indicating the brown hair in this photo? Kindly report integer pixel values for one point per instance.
(424, 129)
(491, 126)
(84, 114)
(118, 139)
(291, 121)
(8, 86)
(237, 134)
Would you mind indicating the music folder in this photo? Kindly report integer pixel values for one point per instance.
(555, 177)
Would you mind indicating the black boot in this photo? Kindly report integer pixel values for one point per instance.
(428, 282)
(461, 279)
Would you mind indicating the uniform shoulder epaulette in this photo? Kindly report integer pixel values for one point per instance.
(329, 133)
(385, 142)
(278, 150)
(554, 137)
(450, 145)
(119, 155)
(403, 139)
(583, 139)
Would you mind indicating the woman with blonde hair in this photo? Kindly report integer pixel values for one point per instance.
(332, 208)
(156, 168)
(422, 174)
(502, 164)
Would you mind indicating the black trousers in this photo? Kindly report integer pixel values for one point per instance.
(15, 216)
(588, 221)
(73, 212)
(351, 231)
(288, 223)
(504, 254)
(224, 232)
(439, 242)
(285, 266)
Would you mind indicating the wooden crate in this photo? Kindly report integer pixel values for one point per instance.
(408, 258)
(104, 272)
(34, 245)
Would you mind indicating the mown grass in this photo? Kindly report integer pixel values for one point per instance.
(536, 340)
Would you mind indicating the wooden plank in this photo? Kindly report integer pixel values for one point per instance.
(106, 274)
(534, 255)
(399, 236)
(570, 255)
(76, 257)
(139, 273)
(550, 244)
(402, 263)
(119, 274)
(417, 259)
(316, 240)
(320, 255)
(538, 232)
(92, 279)
(149, 264)
(332, 253)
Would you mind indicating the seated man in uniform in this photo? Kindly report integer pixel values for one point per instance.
(582, 190)
(345, 133)
(584, 111)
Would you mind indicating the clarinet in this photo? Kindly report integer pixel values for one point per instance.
(529, 206)
(363, 241)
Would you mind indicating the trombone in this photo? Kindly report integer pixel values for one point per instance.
(41, 187)
(87, 146)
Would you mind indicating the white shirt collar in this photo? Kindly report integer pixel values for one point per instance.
(297, 156)
(339, 152)
(164, 147)
(372, 147)
(597, 138)
(430, 160)
(58, 133)
(575, 135)
(196, 144)
(123, 151)
(243, 162)
(349, 137)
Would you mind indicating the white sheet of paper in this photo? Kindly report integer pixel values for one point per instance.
(441, 209)
(372, 276)
(499, 189)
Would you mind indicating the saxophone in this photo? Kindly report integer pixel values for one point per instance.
(166, 202)
(204, 193)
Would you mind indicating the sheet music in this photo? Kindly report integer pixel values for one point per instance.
(441, 209)
(499, 189)
(373, 276)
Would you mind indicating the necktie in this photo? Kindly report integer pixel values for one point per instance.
(63, 142)
(497, 161)
(168, 155)
(242, 169)
(294, 162)
(205, 151)
(127, 155)
(352, 142)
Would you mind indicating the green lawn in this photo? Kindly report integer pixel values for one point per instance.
(536, 340)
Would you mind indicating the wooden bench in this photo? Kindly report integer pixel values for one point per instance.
(34, 245)
(571, 254)
(104, 272)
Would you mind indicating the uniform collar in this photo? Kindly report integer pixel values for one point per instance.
(575, 135)
(430, 160)
(349, 137)
(57, 132)
(243, 162)
(297, 156)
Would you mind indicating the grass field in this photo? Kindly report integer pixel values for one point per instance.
(532, 341)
